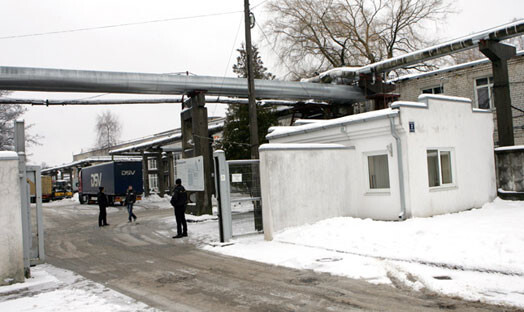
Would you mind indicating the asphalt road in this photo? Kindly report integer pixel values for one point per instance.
(144, 262)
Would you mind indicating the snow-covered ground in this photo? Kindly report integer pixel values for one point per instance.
(54, 290)
(476, 255)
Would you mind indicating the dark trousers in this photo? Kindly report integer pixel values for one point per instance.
(180, 216)
(130, 211)
(102, 217)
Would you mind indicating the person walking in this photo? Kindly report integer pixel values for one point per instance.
(102, 204)
(130, 200)
(179, 201)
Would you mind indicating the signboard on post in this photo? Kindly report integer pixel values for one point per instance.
(191, 172)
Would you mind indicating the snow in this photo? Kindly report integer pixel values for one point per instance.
(475, 255)
(300, 146)
(7, 155)
(55, 290)
(424, 96)
(275, 132)
(509, 148)
(155, 201)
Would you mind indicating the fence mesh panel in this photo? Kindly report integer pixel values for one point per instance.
(246, 206)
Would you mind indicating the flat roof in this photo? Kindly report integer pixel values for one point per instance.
(278, 132)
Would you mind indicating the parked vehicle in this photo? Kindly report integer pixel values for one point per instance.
(47, 189)
(115, 177)
(61, 189)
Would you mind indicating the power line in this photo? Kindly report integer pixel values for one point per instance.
(118, 25)
(258, 4)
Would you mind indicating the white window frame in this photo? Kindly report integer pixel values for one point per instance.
(376, 191)
(433, 89)
(153, 182)
(453, 183)
(152, 164)
(490, 92)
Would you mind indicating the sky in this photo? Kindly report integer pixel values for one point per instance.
(200, 37)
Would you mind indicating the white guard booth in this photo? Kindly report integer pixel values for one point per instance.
(11, 238)
(415, 159)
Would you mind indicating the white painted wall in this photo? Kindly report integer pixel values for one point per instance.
(449, 123)
(342, 176)
(11, 248)
(299, 186)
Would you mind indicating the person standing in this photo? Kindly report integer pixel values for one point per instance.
(130, 200)
(102, 204)
(179, 201)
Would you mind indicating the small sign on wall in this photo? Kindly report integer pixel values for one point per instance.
(236, 177)
(411, 126)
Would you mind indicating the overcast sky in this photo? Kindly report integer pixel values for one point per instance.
(200, 45)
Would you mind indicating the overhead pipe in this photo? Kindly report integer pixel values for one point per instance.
(498, 33)
(63, 80)
(209, 100)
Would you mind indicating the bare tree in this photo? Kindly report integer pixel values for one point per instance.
(8, 114)
(108, 129)
(315, 35)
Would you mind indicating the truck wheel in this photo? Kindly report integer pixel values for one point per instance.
(81, 199)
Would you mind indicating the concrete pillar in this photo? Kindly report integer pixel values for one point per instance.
(187, 133)
(11, 235)
(499, 54)
(171, 171)
(145, 174)
(202, 147)
(160, 174)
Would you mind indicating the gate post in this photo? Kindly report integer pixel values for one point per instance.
(24, 196)
(223, 195)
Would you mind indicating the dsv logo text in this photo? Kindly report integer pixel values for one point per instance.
(128, 172)
(96, 179)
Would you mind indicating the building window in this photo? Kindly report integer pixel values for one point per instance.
(434, 90)
(378, 171)
(484, 93)
(151, 163)
(439, 168)
(153, 182)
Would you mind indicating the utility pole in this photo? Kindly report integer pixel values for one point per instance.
(253, 123)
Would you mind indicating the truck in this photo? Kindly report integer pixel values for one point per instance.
(47, 189)
(61, 189)
(114, 176)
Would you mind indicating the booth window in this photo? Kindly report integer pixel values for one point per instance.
(484, 93)
(378, 172)
(439, 168)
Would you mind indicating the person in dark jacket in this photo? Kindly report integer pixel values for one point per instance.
(179, 201)
(130, 200)
(102, 204)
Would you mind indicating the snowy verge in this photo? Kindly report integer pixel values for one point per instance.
(475, 255)
(51, 289)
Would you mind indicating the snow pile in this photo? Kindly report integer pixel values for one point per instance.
(154, 201)
(54, 290)
(487, 239)
(475, 255)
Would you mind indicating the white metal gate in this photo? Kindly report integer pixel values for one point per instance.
(238, 193)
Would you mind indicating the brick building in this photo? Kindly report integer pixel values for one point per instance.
(472, 80)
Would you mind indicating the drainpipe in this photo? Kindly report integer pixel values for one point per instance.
(394, 133)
